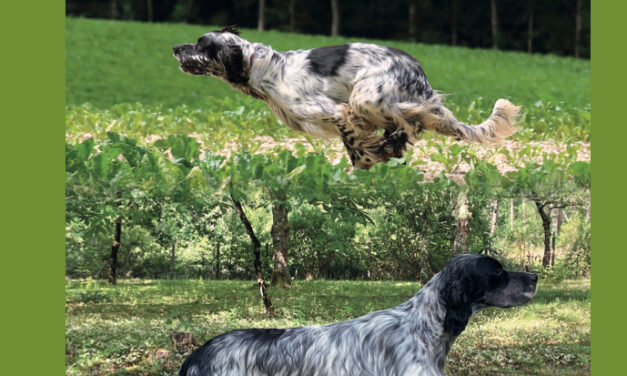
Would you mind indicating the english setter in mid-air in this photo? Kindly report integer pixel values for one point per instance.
(352, 91)
(410, 339)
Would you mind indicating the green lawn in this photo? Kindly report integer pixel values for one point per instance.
(110, 62)
(124, 329)
(126, 69)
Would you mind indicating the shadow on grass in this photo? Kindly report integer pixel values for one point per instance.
(129, 332)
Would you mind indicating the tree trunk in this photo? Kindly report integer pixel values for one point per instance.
(218, 271)
(530, 28)
(546, 225)
(511, 214)
(256, 251)
(335, 18)
(461, 212)
(494, 23)
(425, 268)
(173, 260)
(495, 216)
(292, 16)
(412, 20)
(454, 23)
(577, 27)
(280, 242)
(261, 16)
(553, 249)
(113, 270)
(556, 234)
(149, 6)
(190, 6)
(115, 14)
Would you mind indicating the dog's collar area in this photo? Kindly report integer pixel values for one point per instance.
(250, 63)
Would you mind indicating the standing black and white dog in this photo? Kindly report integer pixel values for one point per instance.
(350, 91)
(411, 339)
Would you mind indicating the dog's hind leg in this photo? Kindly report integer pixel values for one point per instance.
(432, 115)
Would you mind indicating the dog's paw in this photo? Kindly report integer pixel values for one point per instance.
(394, 144)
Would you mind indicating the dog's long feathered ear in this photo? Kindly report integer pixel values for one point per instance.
(458, 308)
(233, 60)
(233, 29)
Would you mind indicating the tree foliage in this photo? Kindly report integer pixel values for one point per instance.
(561, 27)
(174, 200)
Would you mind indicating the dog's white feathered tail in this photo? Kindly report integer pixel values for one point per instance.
(433, 115)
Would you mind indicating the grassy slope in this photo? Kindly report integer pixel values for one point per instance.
(115, 62)
(122, 332)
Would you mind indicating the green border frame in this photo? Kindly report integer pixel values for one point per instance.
(32, 206)
(608, 188)
(33, 199)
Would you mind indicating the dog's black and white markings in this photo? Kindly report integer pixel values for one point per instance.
(348, 91)
(411, 339)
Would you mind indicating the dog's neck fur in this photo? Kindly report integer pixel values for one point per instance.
(259, 67)
(427, 312)
(265, 66)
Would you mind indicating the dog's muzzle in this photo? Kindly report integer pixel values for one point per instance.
(182, 53)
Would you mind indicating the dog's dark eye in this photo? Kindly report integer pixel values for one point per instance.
(498, 272)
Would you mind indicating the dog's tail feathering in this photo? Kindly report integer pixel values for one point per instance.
(434, 116)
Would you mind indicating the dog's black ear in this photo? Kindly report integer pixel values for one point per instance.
(233, 60)
(458, 308)
(233, 29)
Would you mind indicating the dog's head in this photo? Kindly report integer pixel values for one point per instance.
(218, 53)
(472, 282)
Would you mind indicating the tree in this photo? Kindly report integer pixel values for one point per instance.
(261, 16)
(495, 217)
(577, 27)
(454, 12)
(115, 14)
(511, 214)
(555, 183)
(292, 16)
(494, 24)
(280, 241)
(115, 248)
(110, 185)
(530, 12)
(335, 18)
(256, 251)
(149, 9)
(412, 20)
(461, 231)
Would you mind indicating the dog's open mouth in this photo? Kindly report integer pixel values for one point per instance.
(191, 69)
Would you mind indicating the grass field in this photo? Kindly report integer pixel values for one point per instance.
(126, 69)
(125, 329)
(121, 77)
(111, 62)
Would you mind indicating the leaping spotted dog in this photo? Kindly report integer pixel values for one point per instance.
(352, 91)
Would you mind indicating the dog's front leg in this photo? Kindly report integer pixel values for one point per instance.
(365, 146)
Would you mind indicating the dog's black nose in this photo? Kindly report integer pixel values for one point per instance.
(177, 48)
(533, 277)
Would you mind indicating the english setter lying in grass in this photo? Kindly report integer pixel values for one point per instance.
(351, 91)
(411, 339)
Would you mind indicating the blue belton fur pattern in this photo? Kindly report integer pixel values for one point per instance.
(410, 339)
(375, 98)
